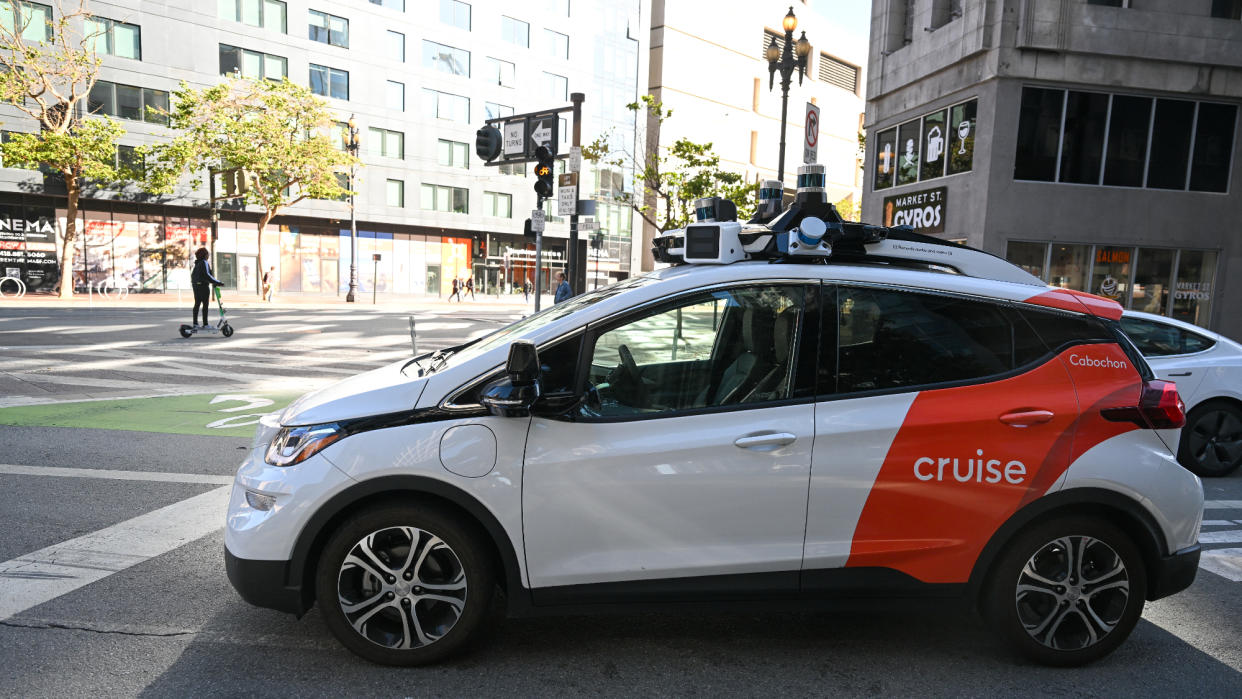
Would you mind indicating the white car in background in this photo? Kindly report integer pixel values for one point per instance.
(1207, 368)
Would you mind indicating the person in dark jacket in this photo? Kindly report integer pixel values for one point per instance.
(202, 282)
(563, 292)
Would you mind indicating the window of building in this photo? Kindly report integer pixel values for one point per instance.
(386, 143)
(1039, 126)
(452, 154)
(839, 73)
(500, 72)
(900, 24)
(556, 8)
(398, 5)
(1108, 3)
(395, 96)
(396, 45)
(1082, 148)
(1124, 140)
(1110, 275)
(885, 158)
(944, 11)
(934, 140)
(329, 29)
(115, 38)
(491, 110)
(556, 87)
(269, 14)
(557, 44)
(443, 105)
(396, 193)
(909, 142)
(518, 169)
(1227, 9)
(449, 199)
(933, 339)
(1153, 272)
(128, 102)
(252, 64)
(1214, 129)
(35, 20)
(1126, 151)
(455, 13)
(446, 59)
(1192, 293)
(329, 82)
(962, 137)
(515, 31)
(1031, 257)
(338, 134)
(127, 159)
(497, 204)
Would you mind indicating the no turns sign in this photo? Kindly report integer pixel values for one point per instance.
(810, 142)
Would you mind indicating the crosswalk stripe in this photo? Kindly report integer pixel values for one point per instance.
(1226, 563)
(111, 474)
(1222, 505)
(41, 576)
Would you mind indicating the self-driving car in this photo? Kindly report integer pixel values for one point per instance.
(797, 409)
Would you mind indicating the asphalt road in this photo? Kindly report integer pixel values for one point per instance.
(169, 624)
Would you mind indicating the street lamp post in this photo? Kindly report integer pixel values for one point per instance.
(351, 146)
(785, 61)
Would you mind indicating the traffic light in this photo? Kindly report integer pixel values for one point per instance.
(487, 141)
(543, 172)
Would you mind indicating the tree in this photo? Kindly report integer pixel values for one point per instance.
(47, 69)
(276, 133)
(672, 179)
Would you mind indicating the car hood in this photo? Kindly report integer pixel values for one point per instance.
(376, 392)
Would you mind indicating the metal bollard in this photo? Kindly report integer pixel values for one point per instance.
(413, 337)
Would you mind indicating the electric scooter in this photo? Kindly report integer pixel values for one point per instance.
(222, 326)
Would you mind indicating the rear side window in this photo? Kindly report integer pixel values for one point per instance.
(1156, 339)
(1063, 330)
(890, 339)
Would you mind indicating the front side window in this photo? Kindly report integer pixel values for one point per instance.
(329, 29)
(890, 339)
(329, 82)
(1161, 339)
(115, 38)
(729, 347)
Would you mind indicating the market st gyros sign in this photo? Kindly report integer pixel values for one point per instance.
(923, 211)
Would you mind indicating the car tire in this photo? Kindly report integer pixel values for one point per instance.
(405, 584)
(1211, 443)
(1049, 608)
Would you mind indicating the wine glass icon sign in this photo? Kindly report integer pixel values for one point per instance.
(963, 130)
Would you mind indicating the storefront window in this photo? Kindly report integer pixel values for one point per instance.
(934, 145)
(1068, 266)
(1152, 272)
(1110, 277)
(1029, 256)
(909, 140)
(1192, 297)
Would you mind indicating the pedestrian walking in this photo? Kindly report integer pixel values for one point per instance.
(269, 283)
(456, 290)
(526, 286)
(202, 280)
(470, 287)
(563, 292)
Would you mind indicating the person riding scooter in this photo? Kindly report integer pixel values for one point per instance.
(202, 280)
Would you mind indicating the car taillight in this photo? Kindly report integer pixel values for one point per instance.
(1159, 408)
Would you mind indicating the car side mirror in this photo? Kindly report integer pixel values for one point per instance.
(513, 395)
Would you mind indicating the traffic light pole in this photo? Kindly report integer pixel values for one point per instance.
(538, 259)
(575, 269)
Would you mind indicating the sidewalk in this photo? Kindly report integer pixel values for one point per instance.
(235, 299)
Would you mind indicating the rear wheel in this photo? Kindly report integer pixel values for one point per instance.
(1211, 444)
(1067, 591)
(185, 331)
(404, 585)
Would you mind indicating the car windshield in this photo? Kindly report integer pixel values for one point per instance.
(548, 315)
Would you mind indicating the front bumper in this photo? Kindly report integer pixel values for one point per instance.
(1174, 573)
(265, 584)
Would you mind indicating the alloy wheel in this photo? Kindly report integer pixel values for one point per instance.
(1214, 441)
(1072, 593)
(401, 587)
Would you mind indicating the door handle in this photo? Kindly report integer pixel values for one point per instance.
(1026, 417)
(1182, 373)
(768, 439)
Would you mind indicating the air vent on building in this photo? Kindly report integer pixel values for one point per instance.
(834, 72)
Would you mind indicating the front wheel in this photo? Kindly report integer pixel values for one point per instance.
(226, 330)
(1067, 591)
(404, 584)
(1211, 444)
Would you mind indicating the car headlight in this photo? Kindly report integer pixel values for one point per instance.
(293, 445)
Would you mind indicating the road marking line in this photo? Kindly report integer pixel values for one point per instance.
(159, 476)
(1217, 523)
(35, 578)
(1228, 536)
(1222, 505)
(1226, 563)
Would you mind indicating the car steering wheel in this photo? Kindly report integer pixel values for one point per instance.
(630, 367)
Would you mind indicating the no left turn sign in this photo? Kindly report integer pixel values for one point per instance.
(811, 140)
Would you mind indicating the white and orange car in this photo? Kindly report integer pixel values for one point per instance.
(899, 415)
